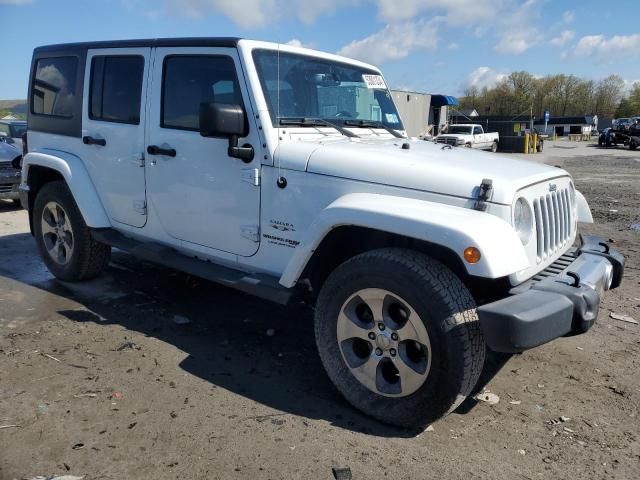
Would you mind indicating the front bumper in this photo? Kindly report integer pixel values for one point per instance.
(9, 183)
(564, 300)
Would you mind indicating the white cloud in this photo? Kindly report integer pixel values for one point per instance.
(485, 77)
(395, 41)
(456, 12)
(568, 16)
(517, 41)
(251, 14)
(561, 40)
(15, 2)
(453, 46)
(601, 46)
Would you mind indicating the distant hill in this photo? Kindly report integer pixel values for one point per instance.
(17, 108)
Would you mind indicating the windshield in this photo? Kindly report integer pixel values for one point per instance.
(459, 129)
(311, 87)
(18, 130)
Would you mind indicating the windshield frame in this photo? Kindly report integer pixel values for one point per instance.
(275, 119)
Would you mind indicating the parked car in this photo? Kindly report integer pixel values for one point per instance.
(12, 131)
(469, 135)
(286, 173)
(10, 165)
(620, 124)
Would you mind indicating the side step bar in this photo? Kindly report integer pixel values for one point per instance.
(260, 285)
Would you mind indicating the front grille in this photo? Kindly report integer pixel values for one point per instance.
(5, 164)
(554, 221)
(449, 141)
(6, 188)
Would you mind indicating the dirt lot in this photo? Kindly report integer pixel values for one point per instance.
(103, 383)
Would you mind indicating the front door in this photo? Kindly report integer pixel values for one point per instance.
(200, 194)
(113, 129)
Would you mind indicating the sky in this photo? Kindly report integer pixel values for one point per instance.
(433, 46)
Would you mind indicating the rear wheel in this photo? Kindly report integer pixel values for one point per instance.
(633, 144)
(63, 238)
(494, 147)
(399, 336)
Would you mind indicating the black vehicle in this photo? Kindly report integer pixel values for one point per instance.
(10, 171)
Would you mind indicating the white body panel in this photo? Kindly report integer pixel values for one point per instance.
(201, 201)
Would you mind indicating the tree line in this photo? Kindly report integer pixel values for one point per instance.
(561, 95)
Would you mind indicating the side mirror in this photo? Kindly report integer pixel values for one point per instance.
(222, 120)
(226, 121)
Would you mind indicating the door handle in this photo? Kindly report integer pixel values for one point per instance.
(87, 140)
(156, 150)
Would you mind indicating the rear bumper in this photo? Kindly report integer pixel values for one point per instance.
(9, 182)
(564, 303)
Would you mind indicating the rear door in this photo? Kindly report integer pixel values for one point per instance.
(113, 130)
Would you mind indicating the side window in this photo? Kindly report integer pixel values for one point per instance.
(477, 131)
(189, 80)
(116, 88)
(4, 130)
(54, 86)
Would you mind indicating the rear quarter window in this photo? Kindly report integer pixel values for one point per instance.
(54, 87)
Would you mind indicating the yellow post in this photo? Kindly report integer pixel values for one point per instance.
(526, 143)
(535, 143)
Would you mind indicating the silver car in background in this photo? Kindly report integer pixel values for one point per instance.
(11, 131)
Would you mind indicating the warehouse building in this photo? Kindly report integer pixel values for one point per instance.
(423, 114)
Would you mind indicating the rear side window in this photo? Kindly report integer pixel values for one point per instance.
(189, 80)
(54, 87)
(116, 88)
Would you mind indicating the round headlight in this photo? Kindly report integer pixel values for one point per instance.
(523, 220)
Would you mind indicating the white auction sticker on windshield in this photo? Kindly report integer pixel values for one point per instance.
(374, 81)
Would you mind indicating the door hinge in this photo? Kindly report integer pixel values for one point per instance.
(141, 160)
(251, 232)
(251, 175)
(140, 206)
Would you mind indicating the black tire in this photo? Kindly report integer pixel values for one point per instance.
(89, 258)
(448, 312)
(633, 144)
(494, 147)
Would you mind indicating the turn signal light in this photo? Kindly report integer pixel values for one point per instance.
(472, 255)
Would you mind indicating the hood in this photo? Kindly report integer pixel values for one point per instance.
(425, 166)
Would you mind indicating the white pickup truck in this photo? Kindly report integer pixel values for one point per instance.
(286, 173)
(469, 135)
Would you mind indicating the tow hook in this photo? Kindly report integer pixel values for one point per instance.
(576, 279)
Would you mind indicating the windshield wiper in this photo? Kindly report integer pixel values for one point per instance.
(374, 124)
(311, 122)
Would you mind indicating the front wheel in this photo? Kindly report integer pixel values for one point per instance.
(63, 238)
(399, 336)
(633, 144)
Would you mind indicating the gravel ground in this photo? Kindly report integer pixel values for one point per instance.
(103, 382)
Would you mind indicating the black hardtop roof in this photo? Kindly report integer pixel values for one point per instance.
(144, 42)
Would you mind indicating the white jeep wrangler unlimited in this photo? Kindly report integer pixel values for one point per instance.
(285, 173)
